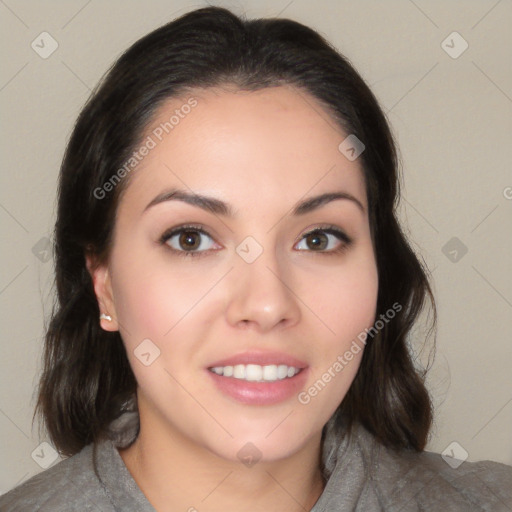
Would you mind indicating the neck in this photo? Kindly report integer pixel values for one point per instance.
(176, 474)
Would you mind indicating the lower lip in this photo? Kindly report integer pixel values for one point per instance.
(260, 393)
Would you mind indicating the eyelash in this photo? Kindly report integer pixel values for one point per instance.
(331, 230)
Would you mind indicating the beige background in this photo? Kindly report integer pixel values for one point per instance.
(452, 119)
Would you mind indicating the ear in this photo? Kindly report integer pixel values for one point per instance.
(100, 275)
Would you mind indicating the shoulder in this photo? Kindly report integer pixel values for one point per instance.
(72, 481)
(426, 481)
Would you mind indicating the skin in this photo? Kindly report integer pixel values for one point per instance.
(261, 152)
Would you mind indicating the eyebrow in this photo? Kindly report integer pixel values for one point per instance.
(219, 207)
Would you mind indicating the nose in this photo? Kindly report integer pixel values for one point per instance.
(262, 295)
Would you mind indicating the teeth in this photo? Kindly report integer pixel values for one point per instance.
(253, 372)
(270, 372)
(238, 371)
(282, 371)
(257, 373)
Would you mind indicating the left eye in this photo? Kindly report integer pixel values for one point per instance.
(323, 240)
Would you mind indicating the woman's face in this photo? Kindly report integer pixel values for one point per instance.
(245, 288)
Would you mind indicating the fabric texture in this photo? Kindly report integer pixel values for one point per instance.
(362, 475)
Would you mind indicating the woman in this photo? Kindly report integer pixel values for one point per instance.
(235, 293)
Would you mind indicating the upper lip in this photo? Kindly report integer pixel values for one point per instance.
(260, 358)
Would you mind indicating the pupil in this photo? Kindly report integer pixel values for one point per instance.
(187, 239)
(316, 241)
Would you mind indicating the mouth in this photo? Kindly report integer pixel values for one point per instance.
(259, 378)
(256, 372)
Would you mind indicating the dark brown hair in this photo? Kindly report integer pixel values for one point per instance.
(86, 374)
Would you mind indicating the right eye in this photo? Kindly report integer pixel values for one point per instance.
(187, 240)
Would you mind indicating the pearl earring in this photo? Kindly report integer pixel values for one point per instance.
(105, 317)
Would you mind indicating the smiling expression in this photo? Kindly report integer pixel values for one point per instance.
(242, 254)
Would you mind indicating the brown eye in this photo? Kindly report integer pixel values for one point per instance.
(316, 241)
(188, 241)
(325, 240)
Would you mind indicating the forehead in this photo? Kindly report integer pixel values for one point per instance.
(252, 149)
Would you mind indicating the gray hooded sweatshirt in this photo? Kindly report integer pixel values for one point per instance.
(362, 475)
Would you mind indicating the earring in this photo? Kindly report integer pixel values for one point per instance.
(105, 317)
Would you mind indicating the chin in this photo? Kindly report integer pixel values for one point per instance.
(250, 445)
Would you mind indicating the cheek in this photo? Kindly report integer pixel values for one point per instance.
(156, 296)
(156, 302)
(346, 305)
(345, 300)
